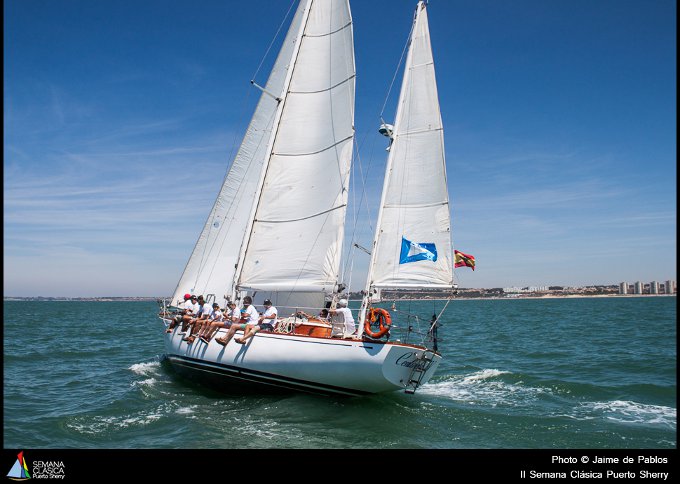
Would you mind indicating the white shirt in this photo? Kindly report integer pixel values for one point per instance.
(206, 310)
(234, 313)
(216, 314)
(270, 311)
(344, 322)
(194, 307)
(251, 314)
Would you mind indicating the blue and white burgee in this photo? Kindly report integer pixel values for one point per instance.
(412, 252)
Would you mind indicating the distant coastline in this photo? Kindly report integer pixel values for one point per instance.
(460, 297)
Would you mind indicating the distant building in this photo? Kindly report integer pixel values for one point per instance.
(669, 287)
(623, 288)
(654, 287)
(638, 287)
(525, 289)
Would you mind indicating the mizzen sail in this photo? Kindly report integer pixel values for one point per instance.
(412, 246)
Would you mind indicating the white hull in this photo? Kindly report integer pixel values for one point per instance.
(305, 363)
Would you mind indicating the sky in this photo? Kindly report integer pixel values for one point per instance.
(121, 119)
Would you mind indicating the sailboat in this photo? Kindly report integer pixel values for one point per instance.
(277, 227)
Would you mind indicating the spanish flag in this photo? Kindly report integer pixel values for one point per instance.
(464, 260)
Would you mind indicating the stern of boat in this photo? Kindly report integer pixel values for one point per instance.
(410, 367)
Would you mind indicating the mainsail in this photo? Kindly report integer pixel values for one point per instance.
(277, 223)
(296, 237)
(412, 245)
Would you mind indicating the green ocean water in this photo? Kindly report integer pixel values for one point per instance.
(560, 373)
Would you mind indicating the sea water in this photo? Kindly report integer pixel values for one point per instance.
(528, 373)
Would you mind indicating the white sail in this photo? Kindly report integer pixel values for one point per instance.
(412, 246)
(210, 269)
(298, 227)
(280, 218)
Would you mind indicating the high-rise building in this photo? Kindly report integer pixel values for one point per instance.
(638, 287)
(654, 287)
(623, 288)
(669, 287)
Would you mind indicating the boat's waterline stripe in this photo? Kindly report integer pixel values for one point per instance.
(259, 376)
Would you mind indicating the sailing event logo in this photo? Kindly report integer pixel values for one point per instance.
(41, 469)
(412, 251)
(19, 471)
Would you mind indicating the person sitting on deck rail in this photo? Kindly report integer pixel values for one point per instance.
(248, 315)
(204, 326)
(189, 314)
(186, 306)
(265, 322)
(202, 316)
(231, 315)
(343, 321)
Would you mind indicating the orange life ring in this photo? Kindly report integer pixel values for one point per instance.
(384, 321)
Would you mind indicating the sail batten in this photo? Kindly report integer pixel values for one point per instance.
(348, 138)
(347, 25)
(323, 90)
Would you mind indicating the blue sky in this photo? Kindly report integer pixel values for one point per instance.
(121, 118)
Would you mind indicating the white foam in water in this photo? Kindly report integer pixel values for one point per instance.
(186, 410)
(634, 412)
(94, 425)
(107, 424)
(147, 382)
(145, 368)
(481, 388)
(484, 374)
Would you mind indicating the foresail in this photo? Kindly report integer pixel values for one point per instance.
(413, 239)
(296, 239)
(210, 269)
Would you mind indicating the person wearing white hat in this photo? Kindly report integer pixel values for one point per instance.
(343, 321)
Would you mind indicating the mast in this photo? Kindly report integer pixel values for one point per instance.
(412, 242)
(281, 102)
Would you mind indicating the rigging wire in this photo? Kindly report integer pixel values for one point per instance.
(357, 207)
(396, 72)
(225, 223)
(271, 44)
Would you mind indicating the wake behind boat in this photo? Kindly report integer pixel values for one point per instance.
(277, 227)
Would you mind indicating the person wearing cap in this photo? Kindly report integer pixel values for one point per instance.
(190, 312)
(343, 321)
(216, 318)
(231, 315)
(248, 315)
(186, 305)
(202, 316)
(266, 322)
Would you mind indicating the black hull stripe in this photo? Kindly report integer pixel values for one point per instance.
(255, 376)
